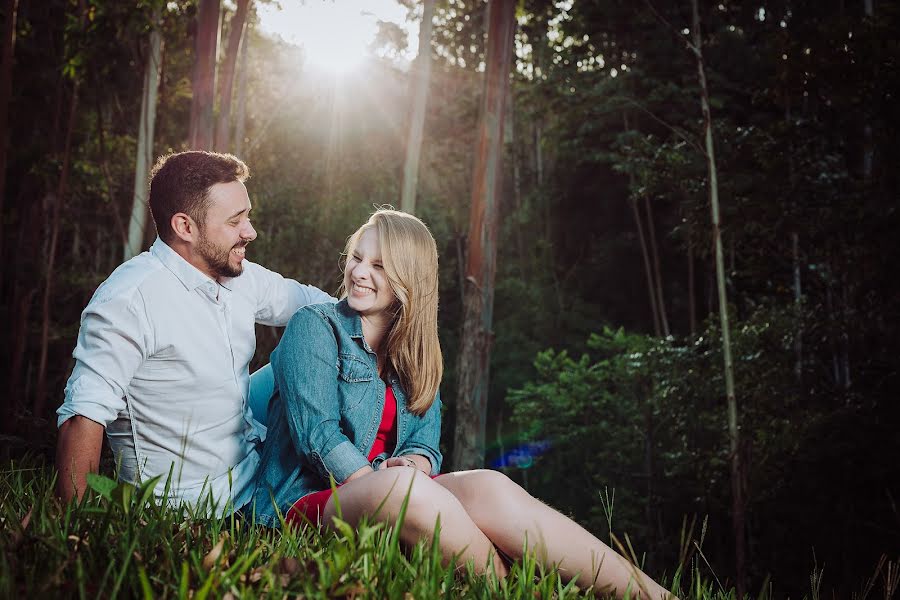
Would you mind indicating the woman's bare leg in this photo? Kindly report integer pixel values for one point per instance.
(509, 516)
(459, 536)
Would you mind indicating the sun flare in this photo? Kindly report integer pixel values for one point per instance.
(335, 35)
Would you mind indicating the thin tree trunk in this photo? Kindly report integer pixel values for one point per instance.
(6, 60)
(19, 326)
(223, 126)
(648, 466)
(203, 76)
(420, 78)
(648, 270)
(461, 268)
(524, 269)
(107, 176)
(144, 156)
(798, 309)
(832, 334)
(40, 397)
(845, 335)
(474, 357)
(733, 430)
(657, 275)
(692, 295)
(241, 118)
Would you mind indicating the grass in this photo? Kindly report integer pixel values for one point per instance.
(118, 542)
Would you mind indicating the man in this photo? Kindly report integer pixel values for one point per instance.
(165, 343)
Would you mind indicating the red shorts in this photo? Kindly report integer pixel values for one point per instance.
(311, 507)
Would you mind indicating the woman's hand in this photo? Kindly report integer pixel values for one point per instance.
(409, 460)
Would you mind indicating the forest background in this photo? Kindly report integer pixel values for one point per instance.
(606, 380)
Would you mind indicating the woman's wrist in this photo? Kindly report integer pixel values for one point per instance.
(417, 461)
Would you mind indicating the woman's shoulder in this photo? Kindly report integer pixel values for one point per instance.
(327, 315)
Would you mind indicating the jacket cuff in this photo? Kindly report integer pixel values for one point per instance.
(434, 458)
(342, 461)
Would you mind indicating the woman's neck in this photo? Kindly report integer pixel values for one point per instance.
(375, 329)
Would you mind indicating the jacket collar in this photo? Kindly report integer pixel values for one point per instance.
(348, 318)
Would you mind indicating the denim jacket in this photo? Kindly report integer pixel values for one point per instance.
(326, 410)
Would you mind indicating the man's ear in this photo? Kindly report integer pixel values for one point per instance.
(185, 227)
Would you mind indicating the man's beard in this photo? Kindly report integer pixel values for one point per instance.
(218, 259)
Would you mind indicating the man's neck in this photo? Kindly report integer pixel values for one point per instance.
(190, 256)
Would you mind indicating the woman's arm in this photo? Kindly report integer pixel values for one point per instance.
(416, 461)
(305, 367)
(422, 445)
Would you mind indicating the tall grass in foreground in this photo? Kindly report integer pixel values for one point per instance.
(120, 543)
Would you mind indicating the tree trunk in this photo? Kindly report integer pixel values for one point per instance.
(692, 296)
(223, 126)
(144, 155)
(845, 333)
(203, 76)
(474, 357)
(648, 271)
(420, 79)
(6, 60)
(649, 472)
(524, 264)
(107, 176)
(733, 430)
(798, 310)
(657, 275)
(40, 397)
(241, 118)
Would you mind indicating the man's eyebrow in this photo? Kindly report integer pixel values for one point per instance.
(239, 213)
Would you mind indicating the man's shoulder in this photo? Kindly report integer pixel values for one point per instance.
(255, 277)
(131, 278)
(257, 270)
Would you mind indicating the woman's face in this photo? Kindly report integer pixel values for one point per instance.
(368, 290)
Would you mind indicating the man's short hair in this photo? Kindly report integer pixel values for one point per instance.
(180, 182)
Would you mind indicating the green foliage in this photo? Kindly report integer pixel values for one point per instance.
(646, 417)
(119, 541)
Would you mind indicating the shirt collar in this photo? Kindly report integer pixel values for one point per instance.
(190, 276)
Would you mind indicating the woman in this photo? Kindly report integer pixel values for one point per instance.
(358, 402)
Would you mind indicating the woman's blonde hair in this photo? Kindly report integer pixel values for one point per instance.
(410, 261)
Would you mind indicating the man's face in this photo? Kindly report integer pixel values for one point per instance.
(226, 231)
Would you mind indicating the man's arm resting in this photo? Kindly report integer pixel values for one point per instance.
(77, 454)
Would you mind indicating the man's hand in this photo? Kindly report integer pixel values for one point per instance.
(77, 454)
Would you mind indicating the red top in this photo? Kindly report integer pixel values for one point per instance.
(386, 438)
(312, 505)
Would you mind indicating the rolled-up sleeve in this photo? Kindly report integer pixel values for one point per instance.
(305, 367)
(425, 439)
(279, 297)
(112, 343)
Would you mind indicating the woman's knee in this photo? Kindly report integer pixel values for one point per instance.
(488, 486)
(384, 493)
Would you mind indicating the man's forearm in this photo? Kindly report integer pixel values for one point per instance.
(77, 454)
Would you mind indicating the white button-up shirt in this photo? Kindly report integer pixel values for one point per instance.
(162, 362)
